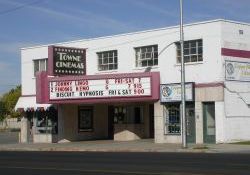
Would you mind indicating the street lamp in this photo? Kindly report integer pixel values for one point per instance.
(183, 91)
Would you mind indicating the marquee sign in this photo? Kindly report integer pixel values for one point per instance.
(237, 71)
(172, 92)
(67, 61)
(100, 88)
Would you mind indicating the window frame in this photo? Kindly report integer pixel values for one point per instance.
(167, 116)
(39, 65)
(105, 58)
(143, 50)
(84, 109)
(189, 54)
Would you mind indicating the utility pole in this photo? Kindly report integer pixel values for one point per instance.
(183, 91)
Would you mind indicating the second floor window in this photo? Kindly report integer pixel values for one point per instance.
(193, 51)
(146, 56)
(40, 65)
(107, 60)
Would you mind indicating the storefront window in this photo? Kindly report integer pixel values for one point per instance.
(46, 121)
(85, 119)
(128, 114)
(172, 123)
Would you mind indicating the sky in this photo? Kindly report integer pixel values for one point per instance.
(26, 23)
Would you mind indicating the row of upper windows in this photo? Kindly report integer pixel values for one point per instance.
(145, 56)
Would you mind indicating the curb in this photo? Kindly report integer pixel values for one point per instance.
(107, 150)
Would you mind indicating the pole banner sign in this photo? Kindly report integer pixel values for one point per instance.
(172, 92)
(237, 71)
(100, 88)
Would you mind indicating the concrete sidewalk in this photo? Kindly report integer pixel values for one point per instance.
(146, 145)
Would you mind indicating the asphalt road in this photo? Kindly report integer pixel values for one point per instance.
(103, 163)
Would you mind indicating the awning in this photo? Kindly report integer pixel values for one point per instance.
(29, 103)
(245, 97)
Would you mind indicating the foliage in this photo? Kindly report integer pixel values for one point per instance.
(8, 102)
(2, 110)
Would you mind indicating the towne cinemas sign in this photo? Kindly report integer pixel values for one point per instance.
(100, 88)
(67, 61)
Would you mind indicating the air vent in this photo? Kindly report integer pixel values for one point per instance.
(241, 32)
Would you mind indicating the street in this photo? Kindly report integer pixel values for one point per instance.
(109, 163)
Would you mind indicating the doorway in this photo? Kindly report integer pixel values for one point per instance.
(111, 122)
(173, 120)
(151, 121)
(190, 119)
(209, 122)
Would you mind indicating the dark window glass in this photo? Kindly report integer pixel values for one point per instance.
(146, 56)
(193, 51)
(137, 114)
(107, 58)
(85, 119)
(128, 114)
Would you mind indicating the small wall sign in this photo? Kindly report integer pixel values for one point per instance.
(237, 71)
(172, 92)
(67, 61)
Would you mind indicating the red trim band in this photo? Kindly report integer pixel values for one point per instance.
(235, 53)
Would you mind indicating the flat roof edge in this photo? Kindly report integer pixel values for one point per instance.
(137, 32)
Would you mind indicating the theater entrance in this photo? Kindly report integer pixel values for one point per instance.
(130, 122)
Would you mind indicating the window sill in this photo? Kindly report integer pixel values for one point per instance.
(107, 72)
(190, 63)
(144, 68)
(173, 134)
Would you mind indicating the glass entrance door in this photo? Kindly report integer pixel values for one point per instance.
(209, 122)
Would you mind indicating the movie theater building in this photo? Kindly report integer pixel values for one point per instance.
(127, 86)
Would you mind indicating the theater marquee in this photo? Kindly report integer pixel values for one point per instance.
(67, 61)
(92, 89)
(102, 88)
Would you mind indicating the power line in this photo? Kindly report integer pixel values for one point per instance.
(20, 7)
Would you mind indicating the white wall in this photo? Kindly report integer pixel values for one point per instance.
(219, 122)
(235, 105)
(125, 44)
(27, 75)
(231, 37)
(237, 112)
(237, 129)
(10, 123)
(214, 34)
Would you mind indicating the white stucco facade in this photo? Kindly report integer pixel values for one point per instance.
(232, 112)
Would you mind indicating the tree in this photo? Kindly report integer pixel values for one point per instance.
(2, 110)
(8, 102)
